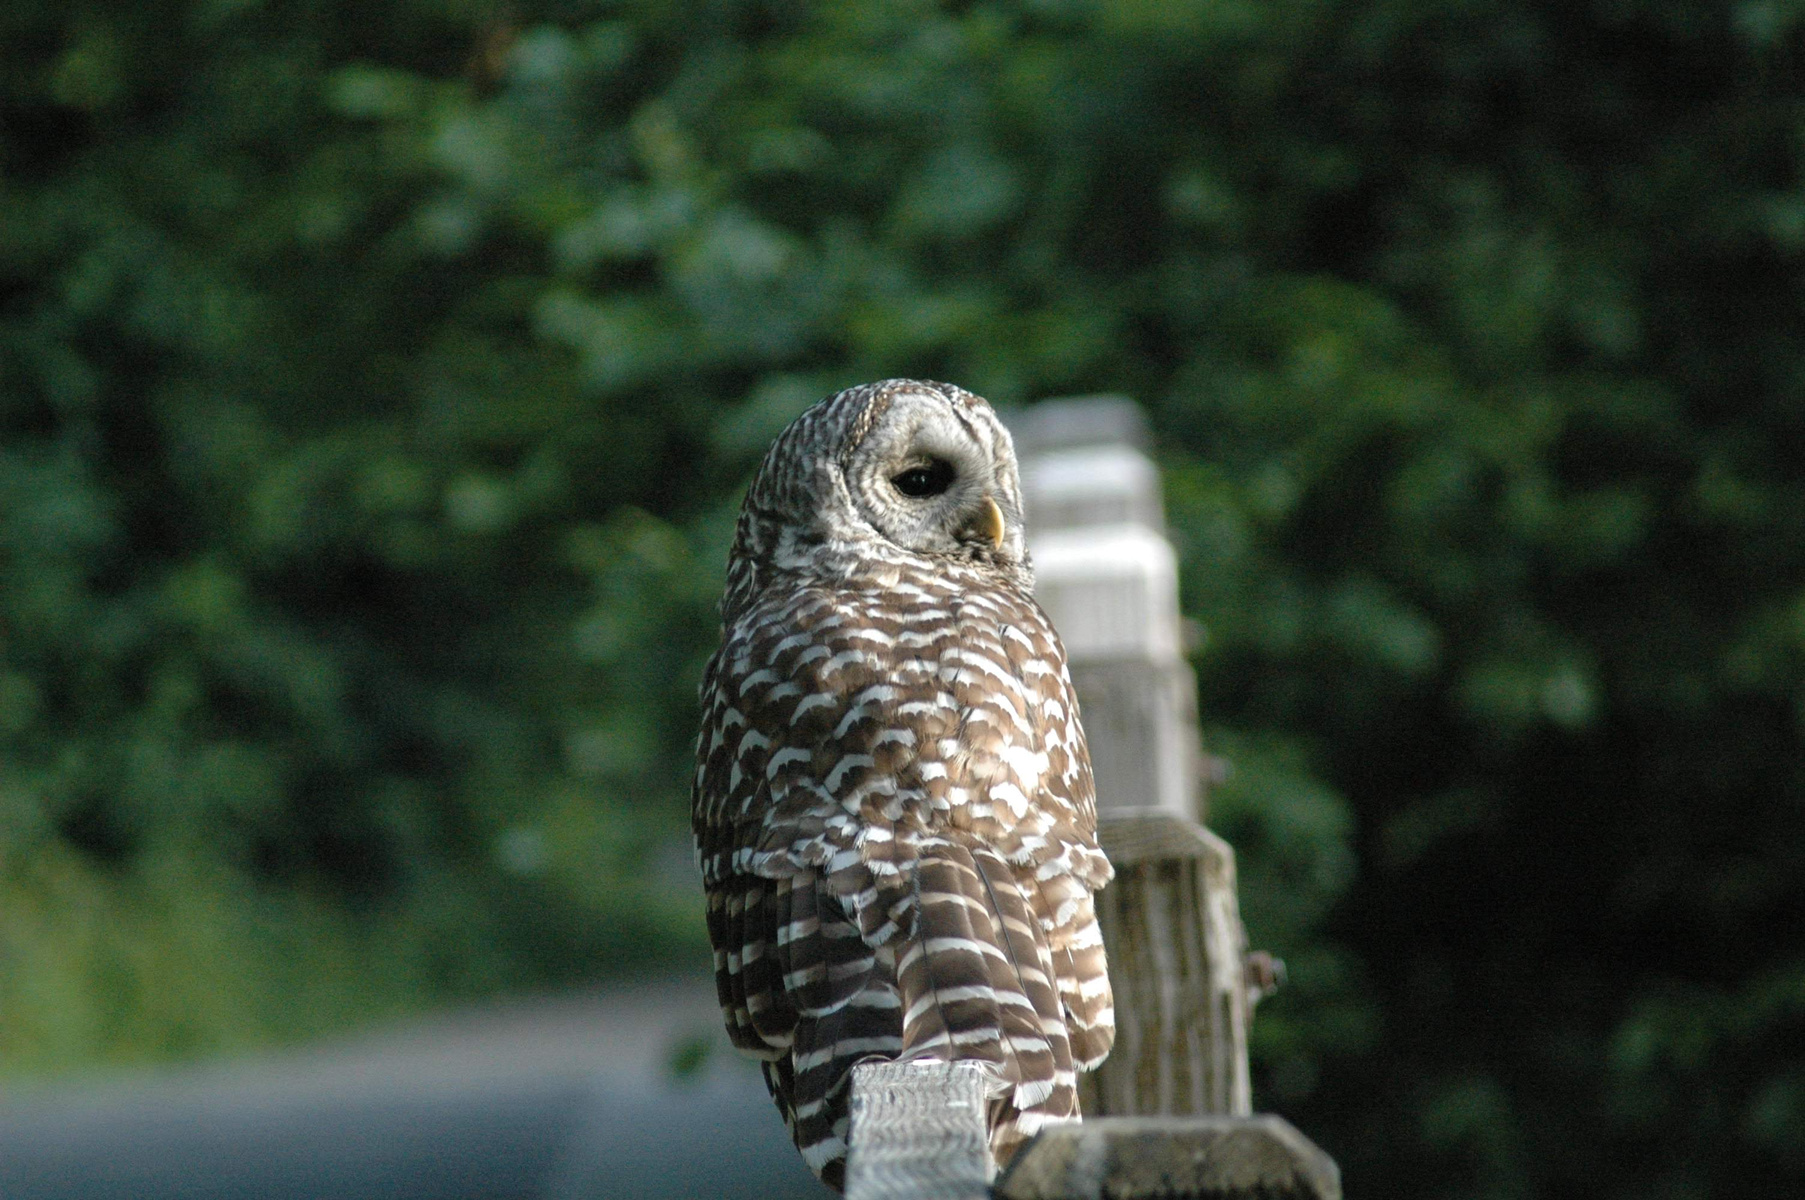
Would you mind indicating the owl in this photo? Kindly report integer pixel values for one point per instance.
(893, 810)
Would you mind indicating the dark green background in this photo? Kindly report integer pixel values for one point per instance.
(377, 382)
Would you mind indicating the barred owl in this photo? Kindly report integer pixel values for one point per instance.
(894, 811)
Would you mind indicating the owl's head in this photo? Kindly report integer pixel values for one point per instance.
(902, 465)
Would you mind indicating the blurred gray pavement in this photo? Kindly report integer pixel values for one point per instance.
(561, 1099)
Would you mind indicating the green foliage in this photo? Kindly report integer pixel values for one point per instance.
(377, 383)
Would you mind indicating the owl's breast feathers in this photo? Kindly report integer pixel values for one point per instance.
(895, 818)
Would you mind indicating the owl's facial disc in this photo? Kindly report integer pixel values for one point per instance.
(926, 477)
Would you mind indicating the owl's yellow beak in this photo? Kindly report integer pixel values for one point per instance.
(988, 523)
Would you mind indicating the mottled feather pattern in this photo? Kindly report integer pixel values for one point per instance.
(894, 810)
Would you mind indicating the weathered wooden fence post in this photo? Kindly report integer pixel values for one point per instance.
(918, 1132)
(1109, 579)
(1168, 1114)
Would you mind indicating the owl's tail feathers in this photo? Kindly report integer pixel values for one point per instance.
(1067, 915)
(811, 1085)
(978, 984)
(846, 1010)
(748, 980)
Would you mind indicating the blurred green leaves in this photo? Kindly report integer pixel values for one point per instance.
(377, 384)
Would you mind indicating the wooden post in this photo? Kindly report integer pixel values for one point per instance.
(1176, 955)
(1172, 1158)
(1108, 577)
(919, 1132)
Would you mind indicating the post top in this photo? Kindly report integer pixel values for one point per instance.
(1072, 421)
(1079, 486)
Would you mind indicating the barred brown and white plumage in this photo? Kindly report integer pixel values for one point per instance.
(894, 810)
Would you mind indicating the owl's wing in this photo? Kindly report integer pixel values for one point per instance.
(817, 713)
(788, 743)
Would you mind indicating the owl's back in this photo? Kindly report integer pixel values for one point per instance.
(895, 818)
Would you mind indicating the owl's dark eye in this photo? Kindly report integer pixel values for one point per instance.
(930, 479)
